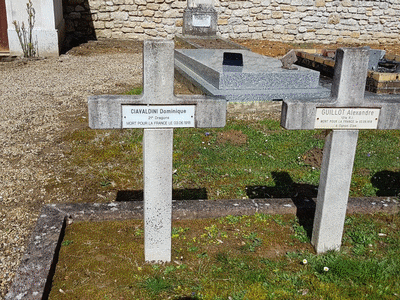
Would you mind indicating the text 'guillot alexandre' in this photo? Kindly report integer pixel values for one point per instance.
(347, 118)
(157, 116)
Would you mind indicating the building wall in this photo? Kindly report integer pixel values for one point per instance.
(323, 21)
(48, 28)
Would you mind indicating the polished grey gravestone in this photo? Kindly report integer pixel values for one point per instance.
(200, 18)
(158, 111)
(345, 112)
(260, 78)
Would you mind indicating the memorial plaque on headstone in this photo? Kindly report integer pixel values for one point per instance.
(200, 18)
(157, 110)
(232, 59)
(345, 112)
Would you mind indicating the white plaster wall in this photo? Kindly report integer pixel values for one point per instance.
(47, 17)
(48, 29)
(16, 11)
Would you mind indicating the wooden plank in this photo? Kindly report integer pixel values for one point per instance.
(3, 27)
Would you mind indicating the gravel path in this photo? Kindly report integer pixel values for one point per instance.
(38, 101)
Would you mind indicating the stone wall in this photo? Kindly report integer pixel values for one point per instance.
(311, 20)
(323, 21)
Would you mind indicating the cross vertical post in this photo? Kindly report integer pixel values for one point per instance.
(157, 193)
(338, 157)
(158, 74)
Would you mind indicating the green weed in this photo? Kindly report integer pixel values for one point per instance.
(135, 91)
(253, 242)
(299, 232)
(66, 243)
(177, 231)
(156, 285)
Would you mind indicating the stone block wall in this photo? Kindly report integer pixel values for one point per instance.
(325, 21)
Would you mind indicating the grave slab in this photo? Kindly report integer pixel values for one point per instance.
(33, 278)
(260, 78)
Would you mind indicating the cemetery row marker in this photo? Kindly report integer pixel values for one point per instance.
(346, 111)
(158, 111)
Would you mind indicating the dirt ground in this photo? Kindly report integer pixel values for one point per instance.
(264, 47)
(275, 49)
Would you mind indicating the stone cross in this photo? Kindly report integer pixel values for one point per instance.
(158, 111)
(346, 111)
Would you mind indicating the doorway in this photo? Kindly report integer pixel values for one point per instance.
(3, 27)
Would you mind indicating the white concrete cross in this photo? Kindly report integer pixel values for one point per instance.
(345, 112)
(157, 110)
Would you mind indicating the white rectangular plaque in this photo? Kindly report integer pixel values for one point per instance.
(157, 116)
(346, 118)
(201, 21)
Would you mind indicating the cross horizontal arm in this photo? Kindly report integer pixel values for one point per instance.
(105, 111)
(301, 115)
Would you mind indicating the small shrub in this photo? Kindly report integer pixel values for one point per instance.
(25, 35)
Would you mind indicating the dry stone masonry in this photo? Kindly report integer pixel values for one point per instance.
(323, 21)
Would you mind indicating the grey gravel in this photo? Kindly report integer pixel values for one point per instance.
(38, 100)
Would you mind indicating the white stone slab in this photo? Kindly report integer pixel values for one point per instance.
(333, 191)
(157, 175)
(346, 118)
(157, 116)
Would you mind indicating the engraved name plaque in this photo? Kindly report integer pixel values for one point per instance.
(346, 118)
(157, 116)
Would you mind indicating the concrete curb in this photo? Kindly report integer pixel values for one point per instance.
(33, 279)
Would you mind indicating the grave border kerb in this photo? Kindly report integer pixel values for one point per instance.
(34, 276)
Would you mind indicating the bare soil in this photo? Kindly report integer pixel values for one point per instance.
(232, 136)
(276, 49)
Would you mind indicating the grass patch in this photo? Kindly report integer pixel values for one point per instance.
(135, 91)
(247, 158)
(234, 257)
